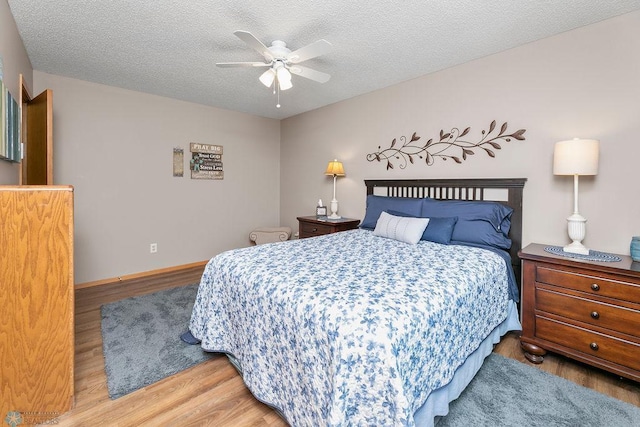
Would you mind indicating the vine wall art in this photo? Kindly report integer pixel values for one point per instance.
(451, 145)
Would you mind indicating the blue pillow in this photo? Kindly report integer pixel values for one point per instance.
(439, 230)
(479, 231)
(377, 204)
(494, 213)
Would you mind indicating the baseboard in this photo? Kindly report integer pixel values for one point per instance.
(136, 277)
(91, 294)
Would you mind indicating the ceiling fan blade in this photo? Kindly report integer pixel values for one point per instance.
(242, 64)
(253, 42)
(310, 51)
(311, 74)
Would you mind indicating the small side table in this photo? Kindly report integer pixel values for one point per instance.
(311, 226)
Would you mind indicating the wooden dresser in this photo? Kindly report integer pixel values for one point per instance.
(36, 301)
(311, 226)
(588, 311)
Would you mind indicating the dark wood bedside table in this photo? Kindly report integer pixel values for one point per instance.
(585, 310)
(311, 226)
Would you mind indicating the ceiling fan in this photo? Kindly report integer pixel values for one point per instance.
(282, 62)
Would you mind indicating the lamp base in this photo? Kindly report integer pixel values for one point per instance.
(577, 227)
(334, 210)
(576, 248)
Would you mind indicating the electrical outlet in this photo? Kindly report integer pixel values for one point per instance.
(153, 248)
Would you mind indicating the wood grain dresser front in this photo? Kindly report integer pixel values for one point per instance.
(589, 311)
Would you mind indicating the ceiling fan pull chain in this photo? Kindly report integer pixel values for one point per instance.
(278, 104)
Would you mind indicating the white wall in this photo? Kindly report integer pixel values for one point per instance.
(115, 147)
(583, 83)
(15, 62)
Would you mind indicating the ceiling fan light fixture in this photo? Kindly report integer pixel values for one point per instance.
(267, 77)
(284, 74)
(284, 78)
(285, 84)
(279, 60)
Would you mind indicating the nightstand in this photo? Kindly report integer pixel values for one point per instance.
(588, 311)
(311, 226)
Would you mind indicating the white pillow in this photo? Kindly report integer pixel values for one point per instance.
(403, 229)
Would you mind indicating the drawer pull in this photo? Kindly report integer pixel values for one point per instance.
(594, 346)
(595, 314)
(595, 287)
(314, 230)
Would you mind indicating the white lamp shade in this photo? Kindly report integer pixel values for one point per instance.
(576, 157)
(267, 77)
(284, 78)
(285, 84)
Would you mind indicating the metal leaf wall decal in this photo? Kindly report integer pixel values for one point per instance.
(451, 145)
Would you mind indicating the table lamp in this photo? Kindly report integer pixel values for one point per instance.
(334, 168)
(576, 157)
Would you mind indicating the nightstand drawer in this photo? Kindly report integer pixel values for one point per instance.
(595, 285)
(310, 230)
(590, 343)
(621, 319)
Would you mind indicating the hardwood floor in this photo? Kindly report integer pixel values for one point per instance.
(212, 393)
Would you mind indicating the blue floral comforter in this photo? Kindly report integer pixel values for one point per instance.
(349, 328)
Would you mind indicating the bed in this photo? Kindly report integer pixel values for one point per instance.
(373, 326)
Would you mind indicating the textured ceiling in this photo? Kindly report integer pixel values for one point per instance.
(170, 47)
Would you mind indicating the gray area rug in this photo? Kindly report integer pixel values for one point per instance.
(141, 344)
(141, 339)
(506, 392)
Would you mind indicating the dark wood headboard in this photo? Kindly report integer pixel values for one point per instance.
(507, 191)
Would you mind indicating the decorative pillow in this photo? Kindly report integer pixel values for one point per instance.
(479, 231)
(439, 230)
(403, 229)
(377, 204)
(495, 213)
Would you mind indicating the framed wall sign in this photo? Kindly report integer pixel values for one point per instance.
(178, 162)
(10, 114)
(206, 161)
